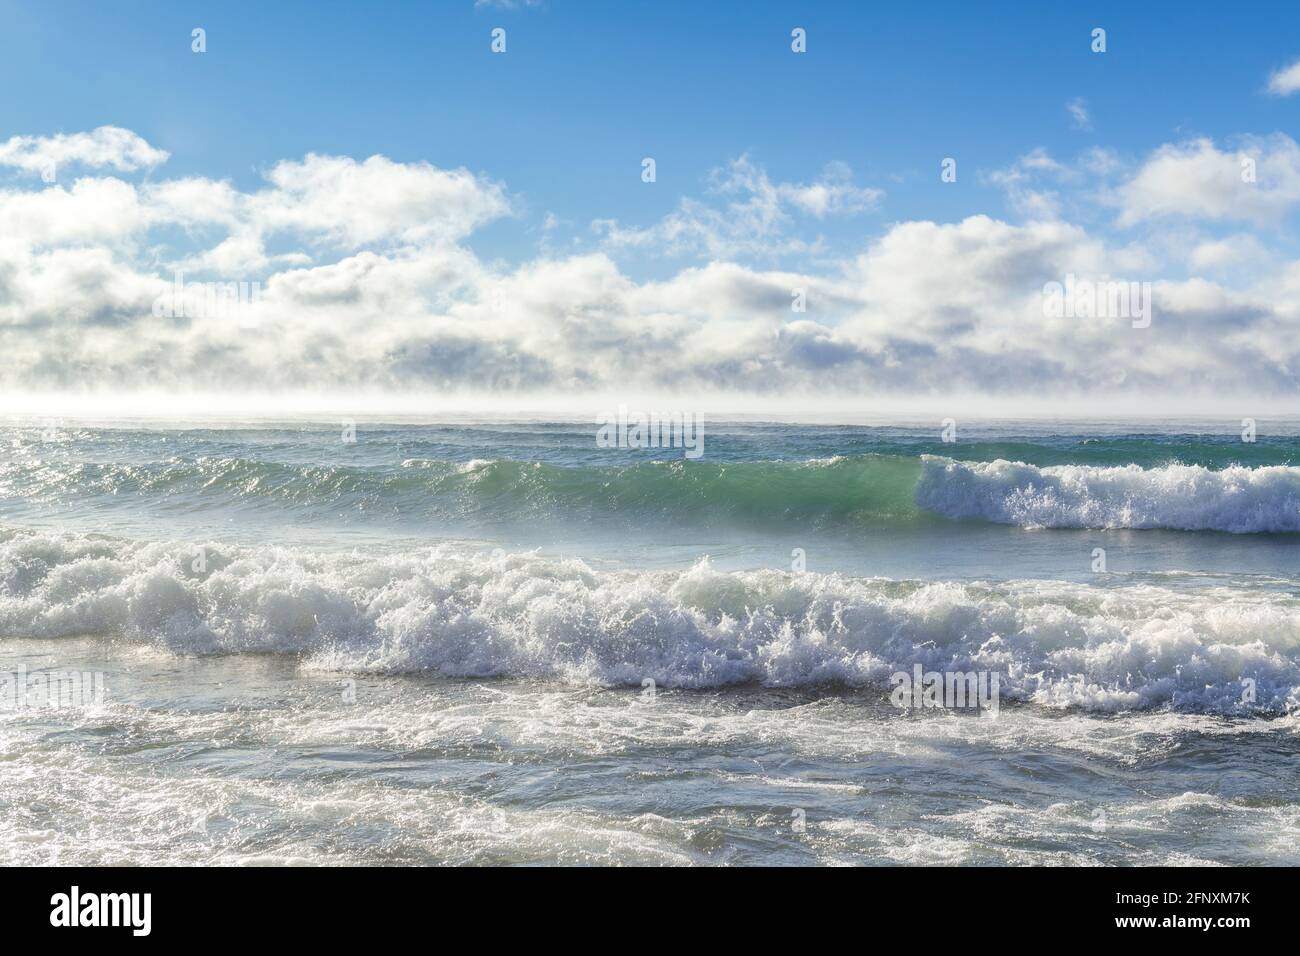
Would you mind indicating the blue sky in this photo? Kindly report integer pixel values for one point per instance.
(587, 89)
(502, 236)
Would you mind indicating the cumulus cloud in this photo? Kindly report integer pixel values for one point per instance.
(1258, 182)
(339, 200)
(107, 147)
(91, 210)
(368, 280)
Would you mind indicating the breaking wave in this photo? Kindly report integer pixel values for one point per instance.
(838, 492)
(462, 613)
(1176, 496)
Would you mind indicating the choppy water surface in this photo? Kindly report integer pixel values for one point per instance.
(499, 643)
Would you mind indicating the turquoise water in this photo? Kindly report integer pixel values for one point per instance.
(497, 642)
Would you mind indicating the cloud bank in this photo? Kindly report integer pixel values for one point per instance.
(366, 279)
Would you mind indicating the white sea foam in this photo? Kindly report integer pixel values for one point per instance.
(1183, 497)
(460, 613)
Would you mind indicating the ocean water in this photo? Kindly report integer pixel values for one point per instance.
(495, 642)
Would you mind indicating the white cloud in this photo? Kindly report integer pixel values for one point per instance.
(1020, 182)
(102, 210)
(1198, 180)
(368, 282)
(1042, 187)
(833, 194)
(107, 147)
(755, 218)
(242, 253)
(194, 202)
(1098, 161)
(1216, 254)
(349, 203)
(1078, 110)
(1285, 81)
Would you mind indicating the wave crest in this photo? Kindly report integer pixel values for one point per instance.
(1236, 499)
(468, 614)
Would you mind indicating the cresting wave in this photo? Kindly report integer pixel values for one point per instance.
(860, 490)
(1175, 496)
(466, 614)
(846, 491)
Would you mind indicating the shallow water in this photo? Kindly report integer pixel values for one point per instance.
(252, 759)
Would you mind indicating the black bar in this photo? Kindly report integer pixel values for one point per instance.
(335, 906)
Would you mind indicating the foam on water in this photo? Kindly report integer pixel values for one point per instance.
(462, 613)
(1176, 496)
(250, 759)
